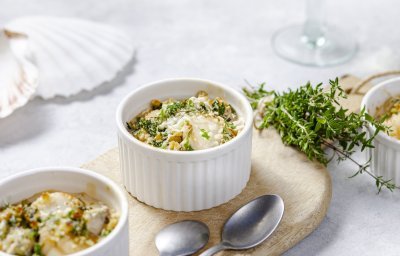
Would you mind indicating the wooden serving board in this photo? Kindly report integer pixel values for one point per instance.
(305, 187)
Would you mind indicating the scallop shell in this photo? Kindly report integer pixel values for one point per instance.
(18, 75)
(72, 54)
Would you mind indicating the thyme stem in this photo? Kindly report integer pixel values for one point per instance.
(363, 168)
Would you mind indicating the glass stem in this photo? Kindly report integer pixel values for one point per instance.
(314, 26)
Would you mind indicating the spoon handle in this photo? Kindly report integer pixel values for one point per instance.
(213, 250)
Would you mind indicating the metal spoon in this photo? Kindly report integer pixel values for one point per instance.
(182, 238)
(251, 225)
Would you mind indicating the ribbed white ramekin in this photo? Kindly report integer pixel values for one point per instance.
(177, 180)
(385, 156)
(74, 180)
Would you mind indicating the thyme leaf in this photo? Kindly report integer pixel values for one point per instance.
(311, 118)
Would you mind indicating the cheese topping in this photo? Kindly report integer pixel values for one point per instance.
(54, 223)
(192, 124)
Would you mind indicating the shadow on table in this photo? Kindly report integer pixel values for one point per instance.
(25, 123)
(102, 89)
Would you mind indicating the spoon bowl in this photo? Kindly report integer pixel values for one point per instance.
(182, 238)
(251, 225)
(254, 222)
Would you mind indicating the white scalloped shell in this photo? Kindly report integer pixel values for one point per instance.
(18, 75)
(72, 54)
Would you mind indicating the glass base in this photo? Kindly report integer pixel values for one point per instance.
(334, 48)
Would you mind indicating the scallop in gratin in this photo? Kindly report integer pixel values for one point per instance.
(195, 123)
(54, 223)
(391, 110)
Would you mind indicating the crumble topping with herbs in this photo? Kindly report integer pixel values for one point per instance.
(54, 223)
(391, 108)
(191, 124)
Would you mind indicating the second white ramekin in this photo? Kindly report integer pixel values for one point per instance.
(385, 156)
(74, 180)
(183, 180)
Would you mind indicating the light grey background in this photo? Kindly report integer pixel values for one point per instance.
(226, 41)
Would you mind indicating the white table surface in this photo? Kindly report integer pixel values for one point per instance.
(226, 41)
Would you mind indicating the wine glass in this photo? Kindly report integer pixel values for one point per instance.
(313, 43)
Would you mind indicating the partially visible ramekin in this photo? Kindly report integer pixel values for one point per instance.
(74, 180)
(184, 180)
(385, 156)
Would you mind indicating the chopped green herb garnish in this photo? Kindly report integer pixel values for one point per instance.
(33, 235)
(173, 108)
(218, 107)
(204, 134)
(157, 144)
(148, 125)
(37, 250)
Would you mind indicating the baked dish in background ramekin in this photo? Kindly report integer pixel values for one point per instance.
(385, 156)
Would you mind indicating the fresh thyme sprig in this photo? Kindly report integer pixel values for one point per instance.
(311, 118)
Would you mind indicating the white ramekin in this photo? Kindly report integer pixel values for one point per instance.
(385, 156)
(177, 180)
(74, 180)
